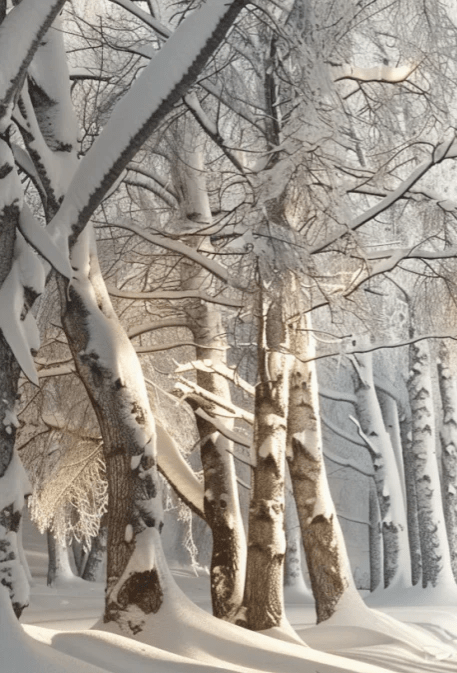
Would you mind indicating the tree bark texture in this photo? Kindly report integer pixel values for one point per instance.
(221, 501)
(393, 513)
(436, 565)
(411, 497)
(108, 366)
(58, 562)
(328, 565)
(97, 551)
(11, 472)
(448, 437)
(263, 604)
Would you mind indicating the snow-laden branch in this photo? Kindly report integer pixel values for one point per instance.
(211, 265)
(391, 257)
(174, 295)
(157, 324)
(380, 346)
(216, 368)
(152, 96)
(230, 434)
(340, 433)
(149, 20)
(444, 150)
(20, 35)
(212, 403)
(379, 73)
(337, 395)
(155, 177)
(154, 188)
(368, 444)
(178, 472)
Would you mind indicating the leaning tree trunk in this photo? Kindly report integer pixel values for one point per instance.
(448, 437)
(221, 500)
(390, 490)
(109, 368)
(263, 603)
(328, 565)
(436, 563)
(13, 482)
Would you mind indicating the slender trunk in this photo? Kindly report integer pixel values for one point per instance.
(221, 501)
(109, 368)
(448, 437)
(59, 568)
(263, 603)
(436, 564)
(376, 555)
(79, 556)
(96, 554)
(411, 497)
(394, 525)
(294, 583)
(326, 556)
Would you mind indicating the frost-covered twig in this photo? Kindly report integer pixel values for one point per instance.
(219, 368)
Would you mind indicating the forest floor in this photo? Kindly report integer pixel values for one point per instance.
(58, 635)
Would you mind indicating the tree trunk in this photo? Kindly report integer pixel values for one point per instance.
(448, 437)
(263, 603)
(436, 564)
(59, 568)
(221, 501)
(394, 525)
(411, 497)
(376, 555)
(328, 565)
(109, 368)
(295, 588)
(97, 551)
(12, 476)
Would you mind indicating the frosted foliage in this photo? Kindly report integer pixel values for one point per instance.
(73, 498)
(184, 515)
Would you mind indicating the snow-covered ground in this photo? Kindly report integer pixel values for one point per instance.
(58, 635)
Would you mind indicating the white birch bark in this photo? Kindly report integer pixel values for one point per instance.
(448, 438)
(328, 564)
(397, 561)
(436, 562)
(221, 501)
(263, 603)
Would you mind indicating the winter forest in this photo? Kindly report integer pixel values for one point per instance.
(228, 352)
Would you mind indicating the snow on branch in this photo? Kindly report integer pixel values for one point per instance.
(379, 73)
(39, 238)
(368, 444)
(154, 188)
(337, 431)
(444, 150)
(143, 16)
(157, 324)
(211, 367)
(178, 472)
(230, 434)
(174, 295)
(162, 83)
(211, 265)
(212, 403)
(21, 33)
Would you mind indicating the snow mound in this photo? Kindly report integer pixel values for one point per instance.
(23, 654)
